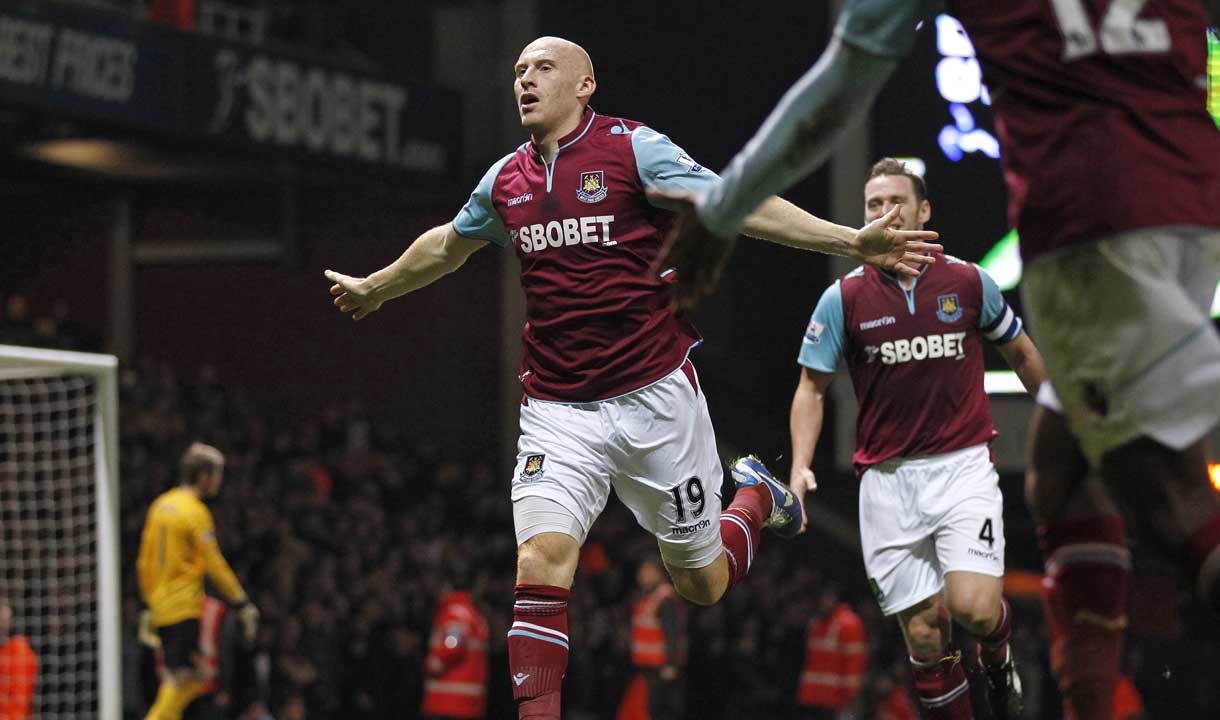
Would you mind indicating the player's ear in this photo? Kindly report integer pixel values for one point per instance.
(925, 211)
(586, 87)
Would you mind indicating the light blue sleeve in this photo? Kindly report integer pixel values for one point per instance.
(478, 218)
(883, 27)
(997, 320)
(664, 165)
(822, 348)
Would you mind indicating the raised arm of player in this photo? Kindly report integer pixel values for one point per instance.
(798, 135)
(436, 253)
(870, 37)
(796, 138)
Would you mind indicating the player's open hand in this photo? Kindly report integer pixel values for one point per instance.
(900, 250)
(352, 295)
(801, 481)
(696, 256)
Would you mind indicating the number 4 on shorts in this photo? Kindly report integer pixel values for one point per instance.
(987, 534)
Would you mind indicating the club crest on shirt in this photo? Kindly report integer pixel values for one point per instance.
(948, 309)
(533, 467)
(592, 186)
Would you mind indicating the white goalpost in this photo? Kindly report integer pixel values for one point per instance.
(59, 525)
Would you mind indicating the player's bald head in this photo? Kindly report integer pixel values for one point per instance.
(568, 54)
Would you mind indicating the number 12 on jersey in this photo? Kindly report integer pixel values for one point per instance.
(1121, 32)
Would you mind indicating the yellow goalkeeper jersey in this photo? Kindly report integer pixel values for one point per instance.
(178, 547)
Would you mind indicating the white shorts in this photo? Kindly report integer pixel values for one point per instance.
(1124, 328)
(922, 517)
(654, 446)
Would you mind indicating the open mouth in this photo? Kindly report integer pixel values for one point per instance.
(528, 102)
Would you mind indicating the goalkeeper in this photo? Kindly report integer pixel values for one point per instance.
(177, 548)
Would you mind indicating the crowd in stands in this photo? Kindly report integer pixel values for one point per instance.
(344, 530)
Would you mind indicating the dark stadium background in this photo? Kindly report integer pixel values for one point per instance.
(242, 348)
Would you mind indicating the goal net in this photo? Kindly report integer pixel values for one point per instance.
(59, 525)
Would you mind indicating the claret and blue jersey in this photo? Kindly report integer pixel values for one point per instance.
(598, 325)
(913, 354)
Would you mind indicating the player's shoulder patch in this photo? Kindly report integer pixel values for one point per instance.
(813, 333)
(688, 161)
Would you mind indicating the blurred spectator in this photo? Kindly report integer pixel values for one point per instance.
(1128, 705)
(179, 14)
(659, 641)
(21, 323)
(457, 667)
(18, 668)
(893, 699)
(836, 655)
(18, 328)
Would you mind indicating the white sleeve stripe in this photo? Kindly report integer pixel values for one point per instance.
(1001, 329)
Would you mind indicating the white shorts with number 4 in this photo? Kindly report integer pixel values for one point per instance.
(922, 517)
(654, 446)
(1124, 327)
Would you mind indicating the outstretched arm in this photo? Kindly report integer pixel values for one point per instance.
(434, 254)
(798, 135)
(779, 221)
(870, 37)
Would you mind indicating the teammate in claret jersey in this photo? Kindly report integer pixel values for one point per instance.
(1112, 167)
(611, 397)
(931, 512)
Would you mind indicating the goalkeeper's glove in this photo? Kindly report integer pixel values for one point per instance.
(247, 615)
(147, 634)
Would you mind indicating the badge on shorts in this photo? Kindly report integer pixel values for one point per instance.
(948, 309)
(872, 585)
(533, 467)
